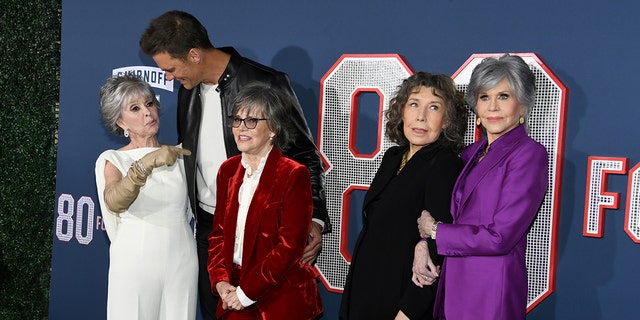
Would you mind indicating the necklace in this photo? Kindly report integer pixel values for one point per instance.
(484, 152)
(405, 157)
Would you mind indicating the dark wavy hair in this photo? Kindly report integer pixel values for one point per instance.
(443, 87)
(174, 32)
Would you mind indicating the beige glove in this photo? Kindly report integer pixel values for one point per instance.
(165, 156)
(119, 195)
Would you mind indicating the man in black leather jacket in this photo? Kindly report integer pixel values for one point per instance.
(180, 46)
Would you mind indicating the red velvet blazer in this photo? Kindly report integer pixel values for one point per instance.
(276, 232)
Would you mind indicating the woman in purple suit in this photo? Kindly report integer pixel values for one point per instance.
(494, 202)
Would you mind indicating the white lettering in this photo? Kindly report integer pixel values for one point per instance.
(597, 199)
(82, 203)
(632, 214)
(65, 221)
(153, 75)
(347, 168)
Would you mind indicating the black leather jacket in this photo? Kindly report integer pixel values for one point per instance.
(240, 72)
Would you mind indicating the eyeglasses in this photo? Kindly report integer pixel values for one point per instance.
(249, 122)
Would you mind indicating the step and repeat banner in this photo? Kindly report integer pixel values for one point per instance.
(345, 61)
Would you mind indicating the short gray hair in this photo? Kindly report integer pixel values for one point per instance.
(272, 103)
(491, 71)
(116, 92)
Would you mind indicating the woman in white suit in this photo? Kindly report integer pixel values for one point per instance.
(143, 198)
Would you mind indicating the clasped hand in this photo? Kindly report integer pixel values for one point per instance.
(228, 296)
(424, 271)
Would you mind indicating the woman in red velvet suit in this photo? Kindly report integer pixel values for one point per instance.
(262, 219)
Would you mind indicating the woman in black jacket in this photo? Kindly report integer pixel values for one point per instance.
(427, 120)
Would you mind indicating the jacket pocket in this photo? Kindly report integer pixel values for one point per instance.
(271, 219)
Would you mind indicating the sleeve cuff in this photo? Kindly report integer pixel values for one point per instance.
(244, 300)
(320, 222)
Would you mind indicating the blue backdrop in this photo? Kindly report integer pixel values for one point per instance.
(590, 45)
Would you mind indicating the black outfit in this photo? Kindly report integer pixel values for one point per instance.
(239, 73)
(379, 281)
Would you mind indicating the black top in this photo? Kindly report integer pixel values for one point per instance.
(379, 281)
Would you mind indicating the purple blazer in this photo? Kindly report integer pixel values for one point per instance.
(494, 202)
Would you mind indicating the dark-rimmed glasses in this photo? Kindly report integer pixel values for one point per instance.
(249, 122)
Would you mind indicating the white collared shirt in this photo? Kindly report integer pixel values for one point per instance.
(247, 189)
(245, 195)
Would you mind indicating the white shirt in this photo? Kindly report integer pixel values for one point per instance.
(211, 149)
(245, 195)
(247, 189)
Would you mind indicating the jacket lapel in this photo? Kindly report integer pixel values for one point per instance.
(500, 148)
(189, 126)
(468, 156)
(231, 215)
(385, 173)
(261, 198)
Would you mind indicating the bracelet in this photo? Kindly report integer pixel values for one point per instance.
(141, 167)
(434, 229)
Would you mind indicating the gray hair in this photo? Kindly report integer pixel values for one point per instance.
(491, 71)
(260, 99)
(118, 91)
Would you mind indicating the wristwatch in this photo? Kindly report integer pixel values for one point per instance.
(434, 229)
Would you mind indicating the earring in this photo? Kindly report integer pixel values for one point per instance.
(521, 119)
(478, 122)
(126, 133)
